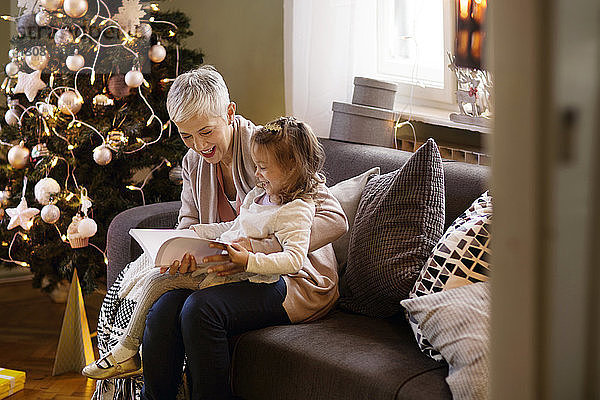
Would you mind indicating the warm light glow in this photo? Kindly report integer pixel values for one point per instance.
(130, 187)
(78, 39)
(69, 196)
(7, 17)
(94, 19)
(70, 147)
(22, 264)
(464, 6)
(168, 162)
(93, 77)
(146, 83)
(5, 244)
(149, 121)
(139, 140)
(70, 125)
(171, 33)
(59, 15)
(154, 7)
(103, 22)
(64, 238)
(54, 162)
(105, 260)
(52, 79)
(151, 19)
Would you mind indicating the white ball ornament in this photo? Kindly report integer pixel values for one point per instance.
(12, 69)
(157, 53)
(87, 227)
(42, 18)
(51, 5)
(37, 58)
(134, 78)
(45, 189)
(50, 214)
(63, 37)
(70, 102)
(102, 155)
(18, 156)
(75, 62)
(12, 117)
(75, 8)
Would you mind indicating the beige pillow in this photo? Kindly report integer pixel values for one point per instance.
(348, 193)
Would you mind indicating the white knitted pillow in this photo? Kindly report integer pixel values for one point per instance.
(456, 322)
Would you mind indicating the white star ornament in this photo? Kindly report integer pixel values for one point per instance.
(30, 84)
(21, 215)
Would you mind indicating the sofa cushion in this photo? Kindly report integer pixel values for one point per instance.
(459, 258)
(457, 323)
(342, 356)
(400, 218)
(348, 193)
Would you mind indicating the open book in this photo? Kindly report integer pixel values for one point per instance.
(164, 246)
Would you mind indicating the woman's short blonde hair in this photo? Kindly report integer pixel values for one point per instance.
(199, 92)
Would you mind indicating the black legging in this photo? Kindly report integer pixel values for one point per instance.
(197, 324)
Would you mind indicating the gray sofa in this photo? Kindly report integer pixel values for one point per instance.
(342, 356)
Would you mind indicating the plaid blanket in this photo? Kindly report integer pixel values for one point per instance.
(115, 314)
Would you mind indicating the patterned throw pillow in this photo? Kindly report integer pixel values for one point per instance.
(399, 219)
(457, 321)
(461, 257)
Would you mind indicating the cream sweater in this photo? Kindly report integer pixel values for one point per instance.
(312, 291)
(290, 223)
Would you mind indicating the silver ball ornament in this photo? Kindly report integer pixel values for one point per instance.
(143, 30)
(51, 5)
(45, 189)
(18, 156)
(50, 214)
(87, 227)
(75, 62)
(157, 53)
(37, 58)
(75, 8)
(12, 69)
(42, 18)
(70, 102)
(102, 155)
(12, 117)
(134, 78)
(63, 37)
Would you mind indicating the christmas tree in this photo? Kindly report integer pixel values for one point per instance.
(86, 133)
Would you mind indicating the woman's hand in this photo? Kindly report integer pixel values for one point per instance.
(234, 262)
(187, 264)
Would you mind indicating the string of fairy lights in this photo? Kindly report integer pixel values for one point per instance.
(130, 25)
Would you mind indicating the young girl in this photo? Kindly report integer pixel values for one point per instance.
(288, 159)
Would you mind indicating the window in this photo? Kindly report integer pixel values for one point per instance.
(413, 39)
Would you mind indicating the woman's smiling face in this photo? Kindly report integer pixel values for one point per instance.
(208, 136)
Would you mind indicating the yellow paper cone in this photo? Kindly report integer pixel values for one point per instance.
(75, 345)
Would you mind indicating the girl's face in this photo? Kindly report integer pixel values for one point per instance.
(269, 175)
(211, 137)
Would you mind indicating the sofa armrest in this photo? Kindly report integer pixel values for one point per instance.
(120, 246)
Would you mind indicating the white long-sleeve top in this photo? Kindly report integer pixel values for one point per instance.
(289, 223)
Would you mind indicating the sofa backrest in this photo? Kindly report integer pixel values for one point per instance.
(463, 182)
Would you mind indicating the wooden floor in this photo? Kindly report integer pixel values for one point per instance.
(29, 330)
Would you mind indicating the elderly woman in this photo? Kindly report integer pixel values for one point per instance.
(218, 172)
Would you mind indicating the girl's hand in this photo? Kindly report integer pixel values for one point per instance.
(187, 264)
(245, 242)
(237, 260)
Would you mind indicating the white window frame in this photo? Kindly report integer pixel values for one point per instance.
(413, 94)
